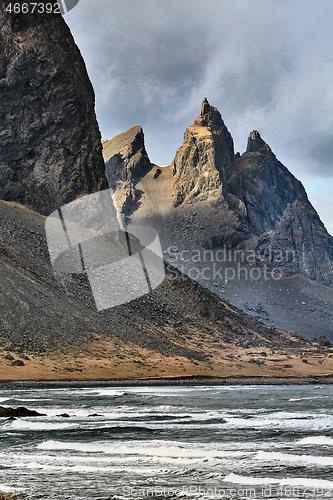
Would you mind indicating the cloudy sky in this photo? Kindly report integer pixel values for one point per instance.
(266, 65)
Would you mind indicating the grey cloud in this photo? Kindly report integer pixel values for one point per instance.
(320, 147)
(266, 64)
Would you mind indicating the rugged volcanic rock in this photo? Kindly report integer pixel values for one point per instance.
(18, 412)
(126, 162)
(50, 150)
(252, 213)
(204, 162)
(279, 213)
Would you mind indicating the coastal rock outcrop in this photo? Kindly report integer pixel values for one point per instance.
(50, 148)
(18, 412)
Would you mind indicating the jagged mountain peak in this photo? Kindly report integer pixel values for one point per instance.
(126, 161)
(209, 117)
(204, 161)
(210, 199)
(133, 137)
(256, 143)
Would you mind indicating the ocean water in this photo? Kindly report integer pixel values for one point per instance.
(211, 442)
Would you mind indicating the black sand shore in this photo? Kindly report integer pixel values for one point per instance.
(181, 381)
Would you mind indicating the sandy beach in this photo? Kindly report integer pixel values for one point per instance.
(105, 361)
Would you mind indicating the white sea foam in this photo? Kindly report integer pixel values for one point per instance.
(110, 392)
(307, 398)
(91, 468)
(283, 420)
(295, 481)
(155, 451)
(26, 425)
(284, 457)
(4, 488)
(30, 400)
(316, 440)
(45, 460)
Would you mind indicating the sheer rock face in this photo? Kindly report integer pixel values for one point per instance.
(50, 149)
(204, 162)
(279, 213)
(126, 163)
(264, 185)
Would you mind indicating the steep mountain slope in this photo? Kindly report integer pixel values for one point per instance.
(49, 322)
(242, 226)
(279, 213)
(50, 150)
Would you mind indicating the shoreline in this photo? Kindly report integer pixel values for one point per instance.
(160, 382)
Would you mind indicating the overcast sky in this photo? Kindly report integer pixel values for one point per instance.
(265, 64)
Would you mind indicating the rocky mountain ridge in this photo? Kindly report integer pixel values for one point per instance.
(251, 206)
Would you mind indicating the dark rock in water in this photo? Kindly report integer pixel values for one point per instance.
(64, 415)
(95, 415)
(322, 341)
(50, 149)
(19, 412)
(18, 362)
(126, 162)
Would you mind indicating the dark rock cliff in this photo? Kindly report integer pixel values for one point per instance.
(50, 150)
(279, 212)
